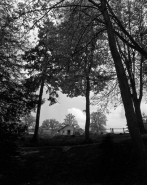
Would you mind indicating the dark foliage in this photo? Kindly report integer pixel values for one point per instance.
(12, 131)
(9, 133)
(15, 100)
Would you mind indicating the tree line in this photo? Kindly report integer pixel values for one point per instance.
(98, 123)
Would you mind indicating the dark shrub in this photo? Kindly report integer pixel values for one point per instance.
(9, 133)
(12, 131)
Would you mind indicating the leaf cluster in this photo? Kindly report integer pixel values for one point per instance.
(98, 122)
(52, 124)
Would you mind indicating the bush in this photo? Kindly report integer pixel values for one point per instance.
(12, 131)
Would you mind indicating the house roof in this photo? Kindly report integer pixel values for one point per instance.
(64, 127)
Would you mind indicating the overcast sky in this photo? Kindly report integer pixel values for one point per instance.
(116, 119)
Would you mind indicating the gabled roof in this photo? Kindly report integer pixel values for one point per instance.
(64, 127)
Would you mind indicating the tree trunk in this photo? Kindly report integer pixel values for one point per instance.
(126, 97)
(35, 136)
(87, 125)
(139, 116)
(136, 100)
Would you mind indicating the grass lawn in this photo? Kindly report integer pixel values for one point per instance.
(66, 161)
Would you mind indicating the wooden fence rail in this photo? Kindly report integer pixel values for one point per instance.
(114, 130)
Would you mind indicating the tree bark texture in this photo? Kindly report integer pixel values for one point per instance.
(35, 136)
(87, 125)
(136, 100)
(126, 96)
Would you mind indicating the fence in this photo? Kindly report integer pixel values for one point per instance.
(117, 130)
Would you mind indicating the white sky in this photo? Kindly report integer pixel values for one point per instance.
(115, 119)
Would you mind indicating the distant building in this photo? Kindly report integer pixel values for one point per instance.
(67, 130)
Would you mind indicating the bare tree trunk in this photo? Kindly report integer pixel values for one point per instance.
(87, 125)
(137, 101)
(35, 136)
(126, 97)
(139, 116)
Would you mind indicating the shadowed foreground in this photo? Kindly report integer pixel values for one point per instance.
(105, 162)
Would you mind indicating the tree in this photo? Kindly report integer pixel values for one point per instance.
(70, 120)
(125, 92)
(52, 124)
(28, 120)
(15, 100)
(44, 67)
(86, 71)
(98, 122)
(135, 78)
(144, 117)
(132, 59)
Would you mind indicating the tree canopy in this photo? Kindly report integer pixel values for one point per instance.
(51, 124)
(98, 122)
(15, 99)
(70, 120)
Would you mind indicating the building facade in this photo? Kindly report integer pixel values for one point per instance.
(67, 130)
